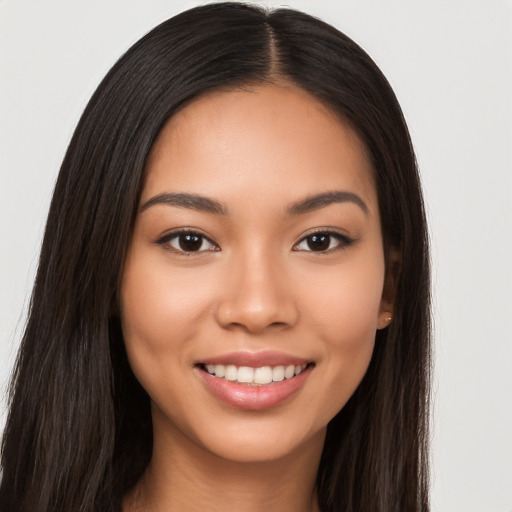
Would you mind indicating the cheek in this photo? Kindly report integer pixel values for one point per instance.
(344, 310)
(347, 323)
(346, 303)
(348, 315)
(160, 311)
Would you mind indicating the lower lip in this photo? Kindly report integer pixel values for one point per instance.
(251, 397)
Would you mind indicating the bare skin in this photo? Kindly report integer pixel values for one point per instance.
(257, 266)
(286, 484)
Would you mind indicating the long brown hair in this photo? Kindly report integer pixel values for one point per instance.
(78, 434)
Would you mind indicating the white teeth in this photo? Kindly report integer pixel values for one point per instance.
(231, 372)
(220, 370)
(263, 375)
(289, 372)
(278, 373)
(245, 374)
(258, 376)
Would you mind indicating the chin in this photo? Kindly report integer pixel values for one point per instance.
(242, 437)
(263, 446)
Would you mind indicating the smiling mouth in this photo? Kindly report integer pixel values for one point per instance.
(254, 376)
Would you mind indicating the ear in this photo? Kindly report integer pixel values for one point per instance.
(387, 303)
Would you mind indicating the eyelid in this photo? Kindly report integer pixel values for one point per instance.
(343, 239)
(174, 233)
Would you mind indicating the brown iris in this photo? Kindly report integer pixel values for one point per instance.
(190, 242)
(319, 242)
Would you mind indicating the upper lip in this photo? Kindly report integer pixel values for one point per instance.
(256, 359)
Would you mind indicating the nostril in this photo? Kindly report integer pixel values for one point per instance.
(238, 313)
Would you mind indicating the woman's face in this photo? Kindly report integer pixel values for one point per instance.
(252, 288)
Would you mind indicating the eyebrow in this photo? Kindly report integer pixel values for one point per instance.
(207, 205)
(324, 199)
(191, 201)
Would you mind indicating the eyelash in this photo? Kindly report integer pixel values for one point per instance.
(166, 241)
(343, 241)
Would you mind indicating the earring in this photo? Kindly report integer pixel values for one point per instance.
(385, 321)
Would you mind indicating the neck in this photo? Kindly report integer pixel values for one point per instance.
(185, 477)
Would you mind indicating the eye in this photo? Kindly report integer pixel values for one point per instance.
(323, 241)
(187, 241)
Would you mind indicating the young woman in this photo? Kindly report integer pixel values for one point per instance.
(231, 310)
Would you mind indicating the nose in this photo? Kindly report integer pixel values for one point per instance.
(257, 296)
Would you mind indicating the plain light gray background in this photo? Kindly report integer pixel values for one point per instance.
(449, 62)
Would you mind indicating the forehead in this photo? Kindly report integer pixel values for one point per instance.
(273, 140)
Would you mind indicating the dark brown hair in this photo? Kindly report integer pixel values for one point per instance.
(78, 434)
